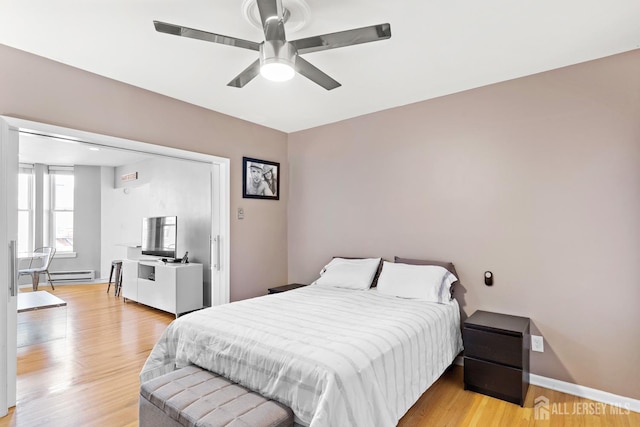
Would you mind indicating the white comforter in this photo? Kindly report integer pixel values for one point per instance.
(335, 356)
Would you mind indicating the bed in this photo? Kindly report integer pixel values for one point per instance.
(334, 355)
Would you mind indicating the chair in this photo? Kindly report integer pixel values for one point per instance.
(117, 265)
(44, 257)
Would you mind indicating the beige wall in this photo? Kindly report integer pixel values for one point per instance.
(41, 90)
(536, 179)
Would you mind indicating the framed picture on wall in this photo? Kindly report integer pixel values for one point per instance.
(261, 179)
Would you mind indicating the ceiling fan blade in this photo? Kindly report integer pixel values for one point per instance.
(272, 17)
(315, 75)
(178, 30)
(343, 38)
(247, 75)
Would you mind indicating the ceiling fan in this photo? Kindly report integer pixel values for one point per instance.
(280, 59)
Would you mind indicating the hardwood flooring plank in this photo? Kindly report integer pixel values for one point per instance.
(90, 377)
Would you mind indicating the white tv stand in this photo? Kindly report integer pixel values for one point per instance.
(176, 288)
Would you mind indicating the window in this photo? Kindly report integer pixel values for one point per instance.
(61, 213)
(25, 208)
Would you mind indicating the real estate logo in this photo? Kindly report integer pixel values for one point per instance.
(541, 408)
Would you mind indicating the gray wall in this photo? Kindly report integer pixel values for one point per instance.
(165, 187)
(536, 179)
(86, 222)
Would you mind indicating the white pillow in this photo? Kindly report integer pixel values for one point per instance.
(349, 273)
(426, 282)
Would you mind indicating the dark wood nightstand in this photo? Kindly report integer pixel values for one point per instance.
(496, 355)
(285, 288)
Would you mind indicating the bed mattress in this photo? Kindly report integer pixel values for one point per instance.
(334, 356)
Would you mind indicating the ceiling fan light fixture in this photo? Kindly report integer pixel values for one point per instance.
(277, 71)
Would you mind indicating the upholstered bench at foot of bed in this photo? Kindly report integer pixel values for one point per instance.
(194, 397)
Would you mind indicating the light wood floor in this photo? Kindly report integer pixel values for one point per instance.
(90, 378)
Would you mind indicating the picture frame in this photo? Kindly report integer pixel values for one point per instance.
(260, 179)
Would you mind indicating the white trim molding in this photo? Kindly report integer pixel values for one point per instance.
(578, 390)
(586, 392)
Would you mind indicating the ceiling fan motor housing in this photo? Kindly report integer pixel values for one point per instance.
(278, 51)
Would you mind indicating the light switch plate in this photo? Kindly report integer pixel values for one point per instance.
(240, 213)
(537, 343)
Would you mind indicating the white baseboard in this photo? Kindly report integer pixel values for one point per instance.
(44, 285)
(578, 390)
(586, 392)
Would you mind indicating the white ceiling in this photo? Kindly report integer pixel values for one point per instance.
(436, 48)
(66, 151)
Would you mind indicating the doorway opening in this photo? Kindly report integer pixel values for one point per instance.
(123, 158)
(215, 256)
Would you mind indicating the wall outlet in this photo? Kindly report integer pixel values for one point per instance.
(240, 213)
(537, 343)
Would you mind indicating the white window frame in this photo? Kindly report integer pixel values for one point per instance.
(29, 169)
(58, 170)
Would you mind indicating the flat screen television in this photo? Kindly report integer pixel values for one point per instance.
(159, 236)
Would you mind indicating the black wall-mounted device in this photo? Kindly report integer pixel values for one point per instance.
(488, 278)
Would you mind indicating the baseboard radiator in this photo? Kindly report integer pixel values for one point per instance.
(67, 276)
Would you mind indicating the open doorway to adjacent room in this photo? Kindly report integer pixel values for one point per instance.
(86, 196)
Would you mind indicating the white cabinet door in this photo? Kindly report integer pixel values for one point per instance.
(156, 287)
(164, 295)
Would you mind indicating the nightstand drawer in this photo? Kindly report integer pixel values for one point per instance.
(494, 380)
(498, 348)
